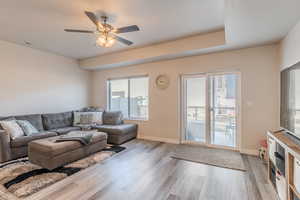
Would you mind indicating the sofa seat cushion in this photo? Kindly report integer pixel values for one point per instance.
(117, 129)
(50, 148)
(23, 141)
(35, 120)
(57, 120)
(65, 130)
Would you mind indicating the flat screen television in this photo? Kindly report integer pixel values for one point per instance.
(290, 100)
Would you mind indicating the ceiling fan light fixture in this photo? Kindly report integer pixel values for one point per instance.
(105, 41)
(106, 33)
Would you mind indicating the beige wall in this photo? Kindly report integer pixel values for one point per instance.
(259, 99)
(290, 48)
(33, 81)
(156, 52)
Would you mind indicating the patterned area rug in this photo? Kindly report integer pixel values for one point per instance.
(22, 178)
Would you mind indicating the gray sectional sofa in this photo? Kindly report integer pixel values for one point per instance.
(55, 124)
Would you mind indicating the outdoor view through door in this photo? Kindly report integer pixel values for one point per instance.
(210, 108)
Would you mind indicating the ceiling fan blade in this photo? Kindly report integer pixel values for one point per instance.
(92, 17)
(122, 40)
(127, 29)
(78, 31)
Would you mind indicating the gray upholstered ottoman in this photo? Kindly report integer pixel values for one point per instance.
(50, 154)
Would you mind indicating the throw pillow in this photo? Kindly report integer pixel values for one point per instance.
(12, 128)
(87, 118)
(27, 127)
(97, 118)
(76, 120)
(112, 117)
(6, 119)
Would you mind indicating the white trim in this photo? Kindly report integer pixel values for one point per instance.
(239, 112)
(108, 94)
(252, 152)
(209, 145)
(238, 136)
(136, 119)
(159, 139)
(128, 77)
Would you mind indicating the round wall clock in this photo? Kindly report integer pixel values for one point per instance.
(162, 81)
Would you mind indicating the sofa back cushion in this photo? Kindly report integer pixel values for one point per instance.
(35, 120)
(57, 120)
(7, 118)
(112, 118)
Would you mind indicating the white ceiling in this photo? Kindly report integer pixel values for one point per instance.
(252, 22)
(247, 22)
(42, 22)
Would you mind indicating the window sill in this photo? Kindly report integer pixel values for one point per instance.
(137, 119)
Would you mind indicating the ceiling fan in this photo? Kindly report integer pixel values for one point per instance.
(106, 33)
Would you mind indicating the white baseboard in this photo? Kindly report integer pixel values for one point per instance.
(252, 152)
(159, 139)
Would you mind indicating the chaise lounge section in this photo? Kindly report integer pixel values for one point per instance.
(118, 132)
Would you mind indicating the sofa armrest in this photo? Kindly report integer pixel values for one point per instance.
(5, 150)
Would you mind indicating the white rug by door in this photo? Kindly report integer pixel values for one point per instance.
(216, 157)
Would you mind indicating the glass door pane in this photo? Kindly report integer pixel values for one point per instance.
(139, 98)
(195, 109)
(223, 97)
(119, 96)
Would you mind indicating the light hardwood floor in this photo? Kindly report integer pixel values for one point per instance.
(145, 171)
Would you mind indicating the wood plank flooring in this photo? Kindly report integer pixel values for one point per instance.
(145, 171)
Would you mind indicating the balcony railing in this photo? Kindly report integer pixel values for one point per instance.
(198, 112)
(223, 124)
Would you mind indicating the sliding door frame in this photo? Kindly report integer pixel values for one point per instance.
(183, 111)
(184, 107)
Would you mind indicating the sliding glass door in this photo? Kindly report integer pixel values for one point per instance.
(210, 109)
(195, 99)
(223, 109)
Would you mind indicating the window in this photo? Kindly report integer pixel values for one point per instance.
(129, 95)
